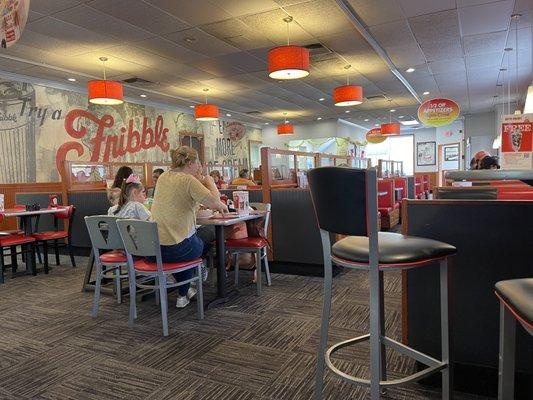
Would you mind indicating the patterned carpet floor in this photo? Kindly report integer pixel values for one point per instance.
(250, 348)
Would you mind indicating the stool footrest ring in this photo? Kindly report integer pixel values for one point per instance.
(433, 364)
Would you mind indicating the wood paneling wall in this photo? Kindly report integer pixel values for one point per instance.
(11, 189)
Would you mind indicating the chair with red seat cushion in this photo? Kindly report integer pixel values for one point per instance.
(11, 241)
(43, 238)
(104, 236)
(345, 203)
(390, 212)
(516, 305)
(254, 245)
(141, 239)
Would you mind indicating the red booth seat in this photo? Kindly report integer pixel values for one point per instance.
(528, 195)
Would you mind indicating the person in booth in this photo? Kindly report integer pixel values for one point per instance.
(180, 191)
(155, 176)
(113, 194)
(243, 179)
(218, 179)
(489, 163)
(478, 157)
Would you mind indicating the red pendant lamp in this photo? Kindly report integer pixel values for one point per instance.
(288, 62)
(347, 95)
(392, 128)
(285, 128)
(105, 92)
(206, 112)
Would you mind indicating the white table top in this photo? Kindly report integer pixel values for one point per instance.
(20, 212)
(228, 221)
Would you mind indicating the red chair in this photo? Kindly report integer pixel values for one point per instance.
(11, 241)
(524, 195)
(254, 245)
(43, 238)
(390, 211)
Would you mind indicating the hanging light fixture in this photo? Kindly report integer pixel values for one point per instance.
(288, 62)
(347, 95)
(206, 112)
(105, 92)
(285, 128)
(392, 128)
(516, 17)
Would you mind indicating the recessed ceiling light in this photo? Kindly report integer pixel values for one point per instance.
(400, 116)
(376, 124)
(409, 70)
(190, 39)
(393, 110)
(191, 106)
(347, 111)
(142, 95)
(319, 118)
(321, 99)
(72, 79)
(366, 120)
(228, 115)
(266, 123)
(425, 93)
(409, 123)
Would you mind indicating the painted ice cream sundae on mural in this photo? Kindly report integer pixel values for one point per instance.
(516, 139)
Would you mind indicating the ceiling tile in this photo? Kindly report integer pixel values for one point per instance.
(238, 7)
(48, 7)
(237, 33)
(485, 43)
(414, 8)
(223, 84)
(406, 56)
(377, 11)
(52, 45)
(7, 64)
(486, 18)
(244, 61)
(345, 42)
(195, 12)
(310, 16)
(169, 49)
(484, 60)
(201, 42)
(446, 66)
(141, 14)
(468, 3)
(104, 24)
(216, 67)
(34, 16)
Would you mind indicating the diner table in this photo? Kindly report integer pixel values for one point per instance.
(25, 218)
(219, 223)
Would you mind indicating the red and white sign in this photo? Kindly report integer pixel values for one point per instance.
(374, 136)
(13, 14)
(517, 141)
(438, 112)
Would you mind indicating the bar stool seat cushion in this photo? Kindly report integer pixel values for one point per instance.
(114, 256)
(50, 235)
(394, 249)
(517, 295)
(13, 240)
(249, 242)
(145, 266)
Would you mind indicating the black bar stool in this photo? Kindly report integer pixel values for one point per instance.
(345, 202)
(516, 304)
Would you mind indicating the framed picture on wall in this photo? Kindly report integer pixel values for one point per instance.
(426, 153)
(451, 153)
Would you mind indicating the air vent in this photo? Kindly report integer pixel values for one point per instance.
(317, 49)
(136, 81)
(253, 112)
(376, 97)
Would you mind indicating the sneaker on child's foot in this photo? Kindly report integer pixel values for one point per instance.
(182, 302)
(191, 293)
(205, 272)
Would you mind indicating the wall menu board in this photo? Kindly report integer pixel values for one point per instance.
(517, 141)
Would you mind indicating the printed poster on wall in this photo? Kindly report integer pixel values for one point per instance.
(438, 112)
(14, 14)
(517, 141)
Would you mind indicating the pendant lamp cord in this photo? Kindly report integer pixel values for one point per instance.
(288, 33)
(516, 51)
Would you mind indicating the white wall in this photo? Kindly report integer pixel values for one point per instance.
(481, 129)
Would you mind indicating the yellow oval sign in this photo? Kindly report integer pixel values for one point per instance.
(438, 112)
(374, 136)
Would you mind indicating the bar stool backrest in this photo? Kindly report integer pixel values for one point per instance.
(140, 238)
(345, 200)
(103, 232)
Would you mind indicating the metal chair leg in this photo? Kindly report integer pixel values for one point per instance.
(375, 333)
(97, 287)
(133, 297)
(56, 246)
(383, 359)
(13, 250)
(267, 269)
(118, 285)
(2, 265)
(200, 294)
(236, 269)
(45, 257)
(326, 311)
(163, 303)
(447, 386)
(259, 273)
(71, 254)
(506, 363)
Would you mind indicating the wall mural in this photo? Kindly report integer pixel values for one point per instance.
(40, 127)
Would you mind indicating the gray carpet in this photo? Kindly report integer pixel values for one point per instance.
(251, 348)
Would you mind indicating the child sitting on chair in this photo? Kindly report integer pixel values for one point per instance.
(130, 203)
